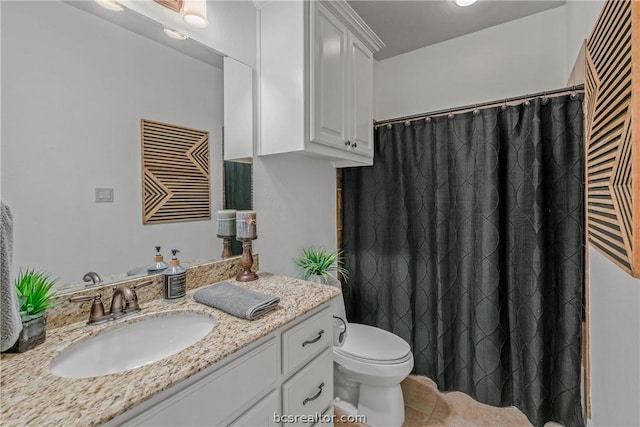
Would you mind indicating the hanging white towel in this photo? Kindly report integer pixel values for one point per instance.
(10, 323)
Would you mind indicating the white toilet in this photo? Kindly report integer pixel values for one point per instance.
(368, 369)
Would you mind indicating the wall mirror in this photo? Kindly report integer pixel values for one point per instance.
(75, 85)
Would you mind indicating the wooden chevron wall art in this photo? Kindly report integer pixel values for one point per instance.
(612, 108)
(175, 173)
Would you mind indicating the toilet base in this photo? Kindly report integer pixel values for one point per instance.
(382, 405)
(389, 413)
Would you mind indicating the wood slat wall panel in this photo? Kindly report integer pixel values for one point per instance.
(612, 62)
(175, 173)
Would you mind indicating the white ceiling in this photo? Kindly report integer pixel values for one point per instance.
(408, 25)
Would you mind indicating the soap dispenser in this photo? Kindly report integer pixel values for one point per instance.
(158, 263)
(175, 278)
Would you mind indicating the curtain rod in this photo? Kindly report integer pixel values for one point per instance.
(576, 88)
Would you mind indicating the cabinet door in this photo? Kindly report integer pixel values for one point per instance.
(218, 396)
(261, 414)
(328, 78)
(360, 97)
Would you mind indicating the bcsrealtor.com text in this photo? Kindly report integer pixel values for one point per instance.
(317, 418)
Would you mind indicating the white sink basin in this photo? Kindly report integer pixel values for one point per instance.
(132, 345)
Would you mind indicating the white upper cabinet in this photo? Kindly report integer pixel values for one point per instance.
(316, 81)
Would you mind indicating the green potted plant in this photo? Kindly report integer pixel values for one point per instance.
(35, 293)
(321, 266)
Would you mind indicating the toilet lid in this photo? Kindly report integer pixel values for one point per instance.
(367, 342)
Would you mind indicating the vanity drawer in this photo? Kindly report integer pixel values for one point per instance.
(310, 391)
(327, 418)
(304, 341)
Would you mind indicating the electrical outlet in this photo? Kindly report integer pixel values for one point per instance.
(104, 195)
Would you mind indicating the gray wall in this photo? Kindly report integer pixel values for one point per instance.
(522, 56)
(615, 343)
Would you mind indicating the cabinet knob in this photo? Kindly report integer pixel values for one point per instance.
(354, 145)
(347, 143)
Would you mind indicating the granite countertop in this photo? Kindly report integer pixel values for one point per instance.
(31, 395)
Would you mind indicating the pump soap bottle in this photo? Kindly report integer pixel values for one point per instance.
(158, 263)
(175, 278)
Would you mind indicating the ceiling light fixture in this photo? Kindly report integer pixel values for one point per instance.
(111, 5)
(174, 34)
(194, 13)
(464, 3)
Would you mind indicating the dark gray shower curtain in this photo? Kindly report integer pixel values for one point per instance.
(466, 239)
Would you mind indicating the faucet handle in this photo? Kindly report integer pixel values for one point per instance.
(97, 314)
(142, 285)
(134, 303)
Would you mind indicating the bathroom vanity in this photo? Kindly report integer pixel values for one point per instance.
(241, 373)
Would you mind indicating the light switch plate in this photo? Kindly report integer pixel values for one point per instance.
(104, 195)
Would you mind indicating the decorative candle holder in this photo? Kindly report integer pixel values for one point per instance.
(246, 275)
(246, 232)
(226, 230)
(226, 246)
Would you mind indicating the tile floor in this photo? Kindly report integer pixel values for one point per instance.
(425, 405)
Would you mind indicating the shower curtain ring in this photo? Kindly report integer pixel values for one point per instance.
(574, 94)
(504, 105)
(545, 99)
(476, 112)
(526, 100)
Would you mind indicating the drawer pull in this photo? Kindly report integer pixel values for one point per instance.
(315, 396)
(316, 339)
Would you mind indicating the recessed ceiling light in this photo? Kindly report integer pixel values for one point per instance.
(174, 34)
(464, 2)
(111, 5)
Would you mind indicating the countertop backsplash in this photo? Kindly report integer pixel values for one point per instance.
(65, 313)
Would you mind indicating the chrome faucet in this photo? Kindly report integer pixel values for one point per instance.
(123, 302)
(92, 277)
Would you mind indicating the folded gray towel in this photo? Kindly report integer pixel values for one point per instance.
(235, 300)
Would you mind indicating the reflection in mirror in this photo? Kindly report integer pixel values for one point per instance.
(74, 90)
(238, 193)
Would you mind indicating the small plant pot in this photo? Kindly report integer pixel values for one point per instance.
(33, 334)
(329, 280)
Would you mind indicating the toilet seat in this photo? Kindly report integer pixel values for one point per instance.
(369, 344)
(373, 354)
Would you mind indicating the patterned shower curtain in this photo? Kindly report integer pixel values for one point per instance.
(466, 239)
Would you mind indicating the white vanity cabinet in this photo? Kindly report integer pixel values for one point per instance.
(316, 81)
(289, 372)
